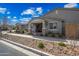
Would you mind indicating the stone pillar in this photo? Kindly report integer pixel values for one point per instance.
(43, 28)
(29, 28)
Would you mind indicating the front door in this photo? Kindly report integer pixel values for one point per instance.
(39, 27)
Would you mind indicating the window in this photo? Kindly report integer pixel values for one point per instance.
(52, 25)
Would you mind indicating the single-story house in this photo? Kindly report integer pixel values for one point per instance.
(62, 20)
(24, 26)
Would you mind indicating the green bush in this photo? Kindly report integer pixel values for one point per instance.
(61, 35)
(56, 35)
(62, 44)
(22, 31)
(50, 35)
(29, 33)
(41, 45)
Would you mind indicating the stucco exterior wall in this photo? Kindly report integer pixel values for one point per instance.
(59, 27)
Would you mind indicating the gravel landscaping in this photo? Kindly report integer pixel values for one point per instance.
(48, 47)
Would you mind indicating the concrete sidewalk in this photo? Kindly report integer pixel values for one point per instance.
(38, 37)
(50, 39)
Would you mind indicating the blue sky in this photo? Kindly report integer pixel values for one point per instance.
(22, 12)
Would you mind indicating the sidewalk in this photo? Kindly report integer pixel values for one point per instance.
(50, 39)
(39, 37)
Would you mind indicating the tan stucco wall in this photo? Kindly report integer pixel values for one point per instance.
(59, 26)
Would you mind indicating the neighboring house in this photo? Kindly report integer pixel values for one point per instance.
(63, 20)
(24, 26)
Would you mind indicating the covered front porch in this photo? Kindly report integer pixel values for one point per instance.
(37, 27)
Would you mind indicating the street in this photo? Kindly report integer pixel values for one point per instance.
(6, 50)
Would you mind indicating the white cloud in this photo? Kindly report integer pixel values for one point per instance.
(70, 5)
(8, 12)
(39, 9)
(35, 12)
(35, 15)
(9, 17)
(28, 11)
(24, 19)
(14, 17)
(14, 20)
(3, 10)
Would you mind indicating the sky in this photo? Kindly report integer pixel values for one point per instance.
(23, 12)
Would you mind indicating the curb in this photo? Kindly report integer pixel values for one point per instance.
(19, 49)
(41, 53)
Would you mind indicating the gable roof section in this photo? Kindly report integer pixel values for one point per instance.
(35, 18)
(72, 9)
(70, 15)
(55, 18)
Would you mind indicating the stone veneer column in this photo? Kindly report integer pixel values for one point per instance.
(43, 28)
(29, 28)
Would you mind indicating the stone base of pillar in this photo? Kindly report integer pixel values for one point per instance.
(44, 32)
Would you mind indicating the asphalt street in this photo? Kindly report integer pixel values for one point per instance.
(6, 50)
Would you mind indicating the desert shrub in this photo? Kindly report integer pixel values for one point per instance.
(61, 35)
(41, 45)
(58, 35)
(29, 33)
(62, 44)
(4, 28)
(17, 31)
(22, 31)
(53, 35)
(50, 34)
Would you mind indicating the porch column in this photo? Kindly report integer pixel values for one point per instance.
(29, 28)
(43, 28)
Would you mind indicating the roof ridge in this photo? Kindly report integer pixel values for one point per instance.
(67, 9)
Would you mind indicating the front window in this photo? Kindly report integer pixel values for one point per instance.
(52, 25)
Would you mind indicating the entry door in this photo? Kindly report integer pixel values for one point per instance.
(39, 27)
